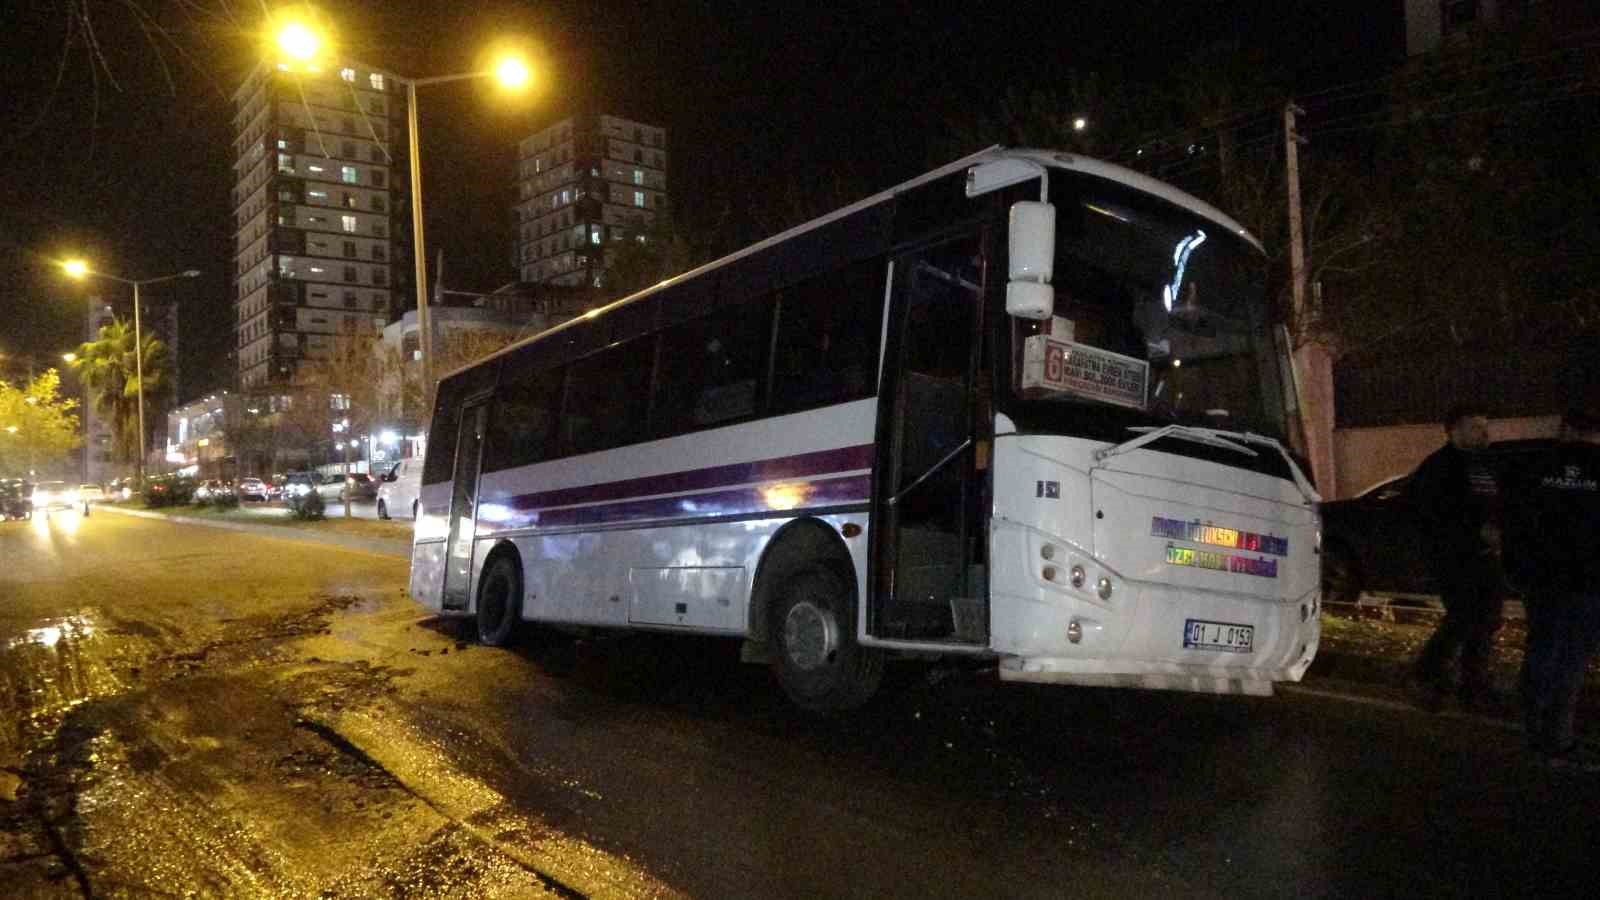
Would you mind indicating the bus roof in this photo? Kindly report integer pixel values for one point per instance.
(1051, 158)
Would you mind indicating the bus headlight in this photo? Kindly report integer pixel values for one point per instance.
(1078, 576)
(1103, 588)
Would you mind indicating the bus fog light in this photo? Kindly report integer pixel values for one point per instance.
(1078, 576)
(1074, 632)
(1048, 551)
(1103, 588)
(1049, 573)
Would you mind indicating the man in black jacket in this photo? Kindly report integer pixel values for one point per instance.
(1456, 497)
(1553, 551)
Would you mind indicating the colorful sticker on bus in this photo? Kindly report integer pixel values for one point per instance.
(1197, 532)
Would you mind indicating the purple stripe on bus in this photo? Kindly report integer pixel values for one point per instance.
(795, 496)
(802, 465)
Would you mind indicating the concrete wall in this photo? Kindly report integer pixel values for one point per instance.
(1366, 456)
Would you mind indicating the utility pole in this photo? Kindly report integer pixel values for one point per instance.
(1297, 248)
(1311, 359)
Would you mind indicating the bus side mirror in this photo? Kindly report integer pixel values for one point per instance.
(1032, 244)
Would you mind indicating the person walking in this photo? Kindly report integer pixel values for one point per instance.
(1456, 497)
(1553, 552)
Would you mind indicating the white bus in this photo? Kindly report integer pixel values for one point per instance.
(1026, 408)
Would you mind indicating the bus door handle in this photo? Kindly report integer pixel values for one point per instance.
(931, 469)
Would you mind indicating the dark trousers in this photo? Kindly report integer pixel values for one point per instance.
(1474, 597)
(1563, 634)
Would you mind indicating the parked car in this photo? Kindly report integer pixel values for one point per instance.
(399, 488)
(299, 484)
(16, 500)
(48, 495)
(1373, 541)
(254, 489)
(359, 486)
(91, 493)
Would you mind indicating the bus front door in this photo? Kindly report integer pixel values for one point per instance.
(464, 506)
(929, 575)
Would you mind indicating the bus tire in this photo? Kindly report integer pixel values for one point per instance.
(499, 601)
(815, 655)
(383, 510)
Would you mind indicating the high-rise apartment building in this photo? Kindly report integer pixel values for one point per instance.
(321, 238)
(585, 185)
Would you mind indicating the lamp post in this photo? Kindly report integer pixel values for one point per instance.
(77, 268)
(302, 45)
(511, 73)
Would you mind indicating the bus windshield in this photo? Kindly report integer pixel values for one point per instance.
(1160, 314)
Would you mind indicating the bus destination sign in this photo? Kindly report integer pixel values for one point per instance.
(1074, 368)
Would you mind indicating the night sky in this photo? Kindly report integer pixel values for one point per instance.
(135, 171)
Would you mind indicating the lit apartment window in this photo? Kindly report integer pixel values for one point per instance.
(638, 176)
(376, 81)
(348, 74)
(594, 234)
(314, 168)
(319, 196)
(638, 199)
(349, 175)
(286, 163)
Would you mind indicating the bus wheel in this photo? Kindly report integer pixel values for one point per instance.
(817, 659)
(498, 602)
(383, 510)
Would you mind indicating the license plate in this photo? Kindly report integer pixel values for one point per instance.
(1227, 637)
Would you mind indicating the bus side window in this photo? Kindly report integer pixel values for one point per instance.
(712, 368)
(827, 346)
(522, 424)
(441, 460)
(607, 400)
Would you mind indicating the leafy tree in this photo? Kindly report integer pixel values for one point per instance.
(647, 256)
(37, 424)
(109, 370)
(343, 385)
(403, 398)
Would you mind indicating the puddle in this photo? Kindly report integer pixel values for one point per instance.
(70, 629)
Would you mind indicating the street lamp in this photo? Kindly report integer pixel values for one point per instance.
(301, 44)
(79, 269)
(511, 73)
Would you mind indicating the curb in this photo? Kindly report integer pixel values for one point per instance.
(374, 546)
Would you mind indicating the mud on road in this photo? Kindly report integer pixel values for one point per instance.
(146, 765)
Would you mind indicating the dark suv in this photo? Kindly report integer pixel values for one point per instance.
(1373, 541)
(16, 500)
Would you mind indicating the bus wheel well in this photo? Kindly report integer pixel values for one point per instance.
(498, 605)
(801, 543)
(504, 548)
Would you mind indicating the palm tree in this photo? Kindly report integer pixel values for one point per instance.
(108, 369)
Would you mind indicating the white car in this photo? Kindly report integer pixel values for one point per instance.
(398, 492)
(55, 495)
(91, 493)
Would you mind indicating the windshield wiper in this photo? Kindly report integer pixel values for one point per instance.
(1214, 437)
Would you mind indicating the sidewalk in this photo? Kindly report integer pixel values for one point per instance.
(310, 532)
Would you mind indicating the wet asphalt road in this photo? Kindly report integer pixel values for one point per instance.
(194, 711)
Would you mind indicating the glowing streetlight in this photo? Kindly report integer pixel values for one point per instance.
(79, 269)
(1080, 123)
(298, 41)
(69, 357)
(511, 72)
